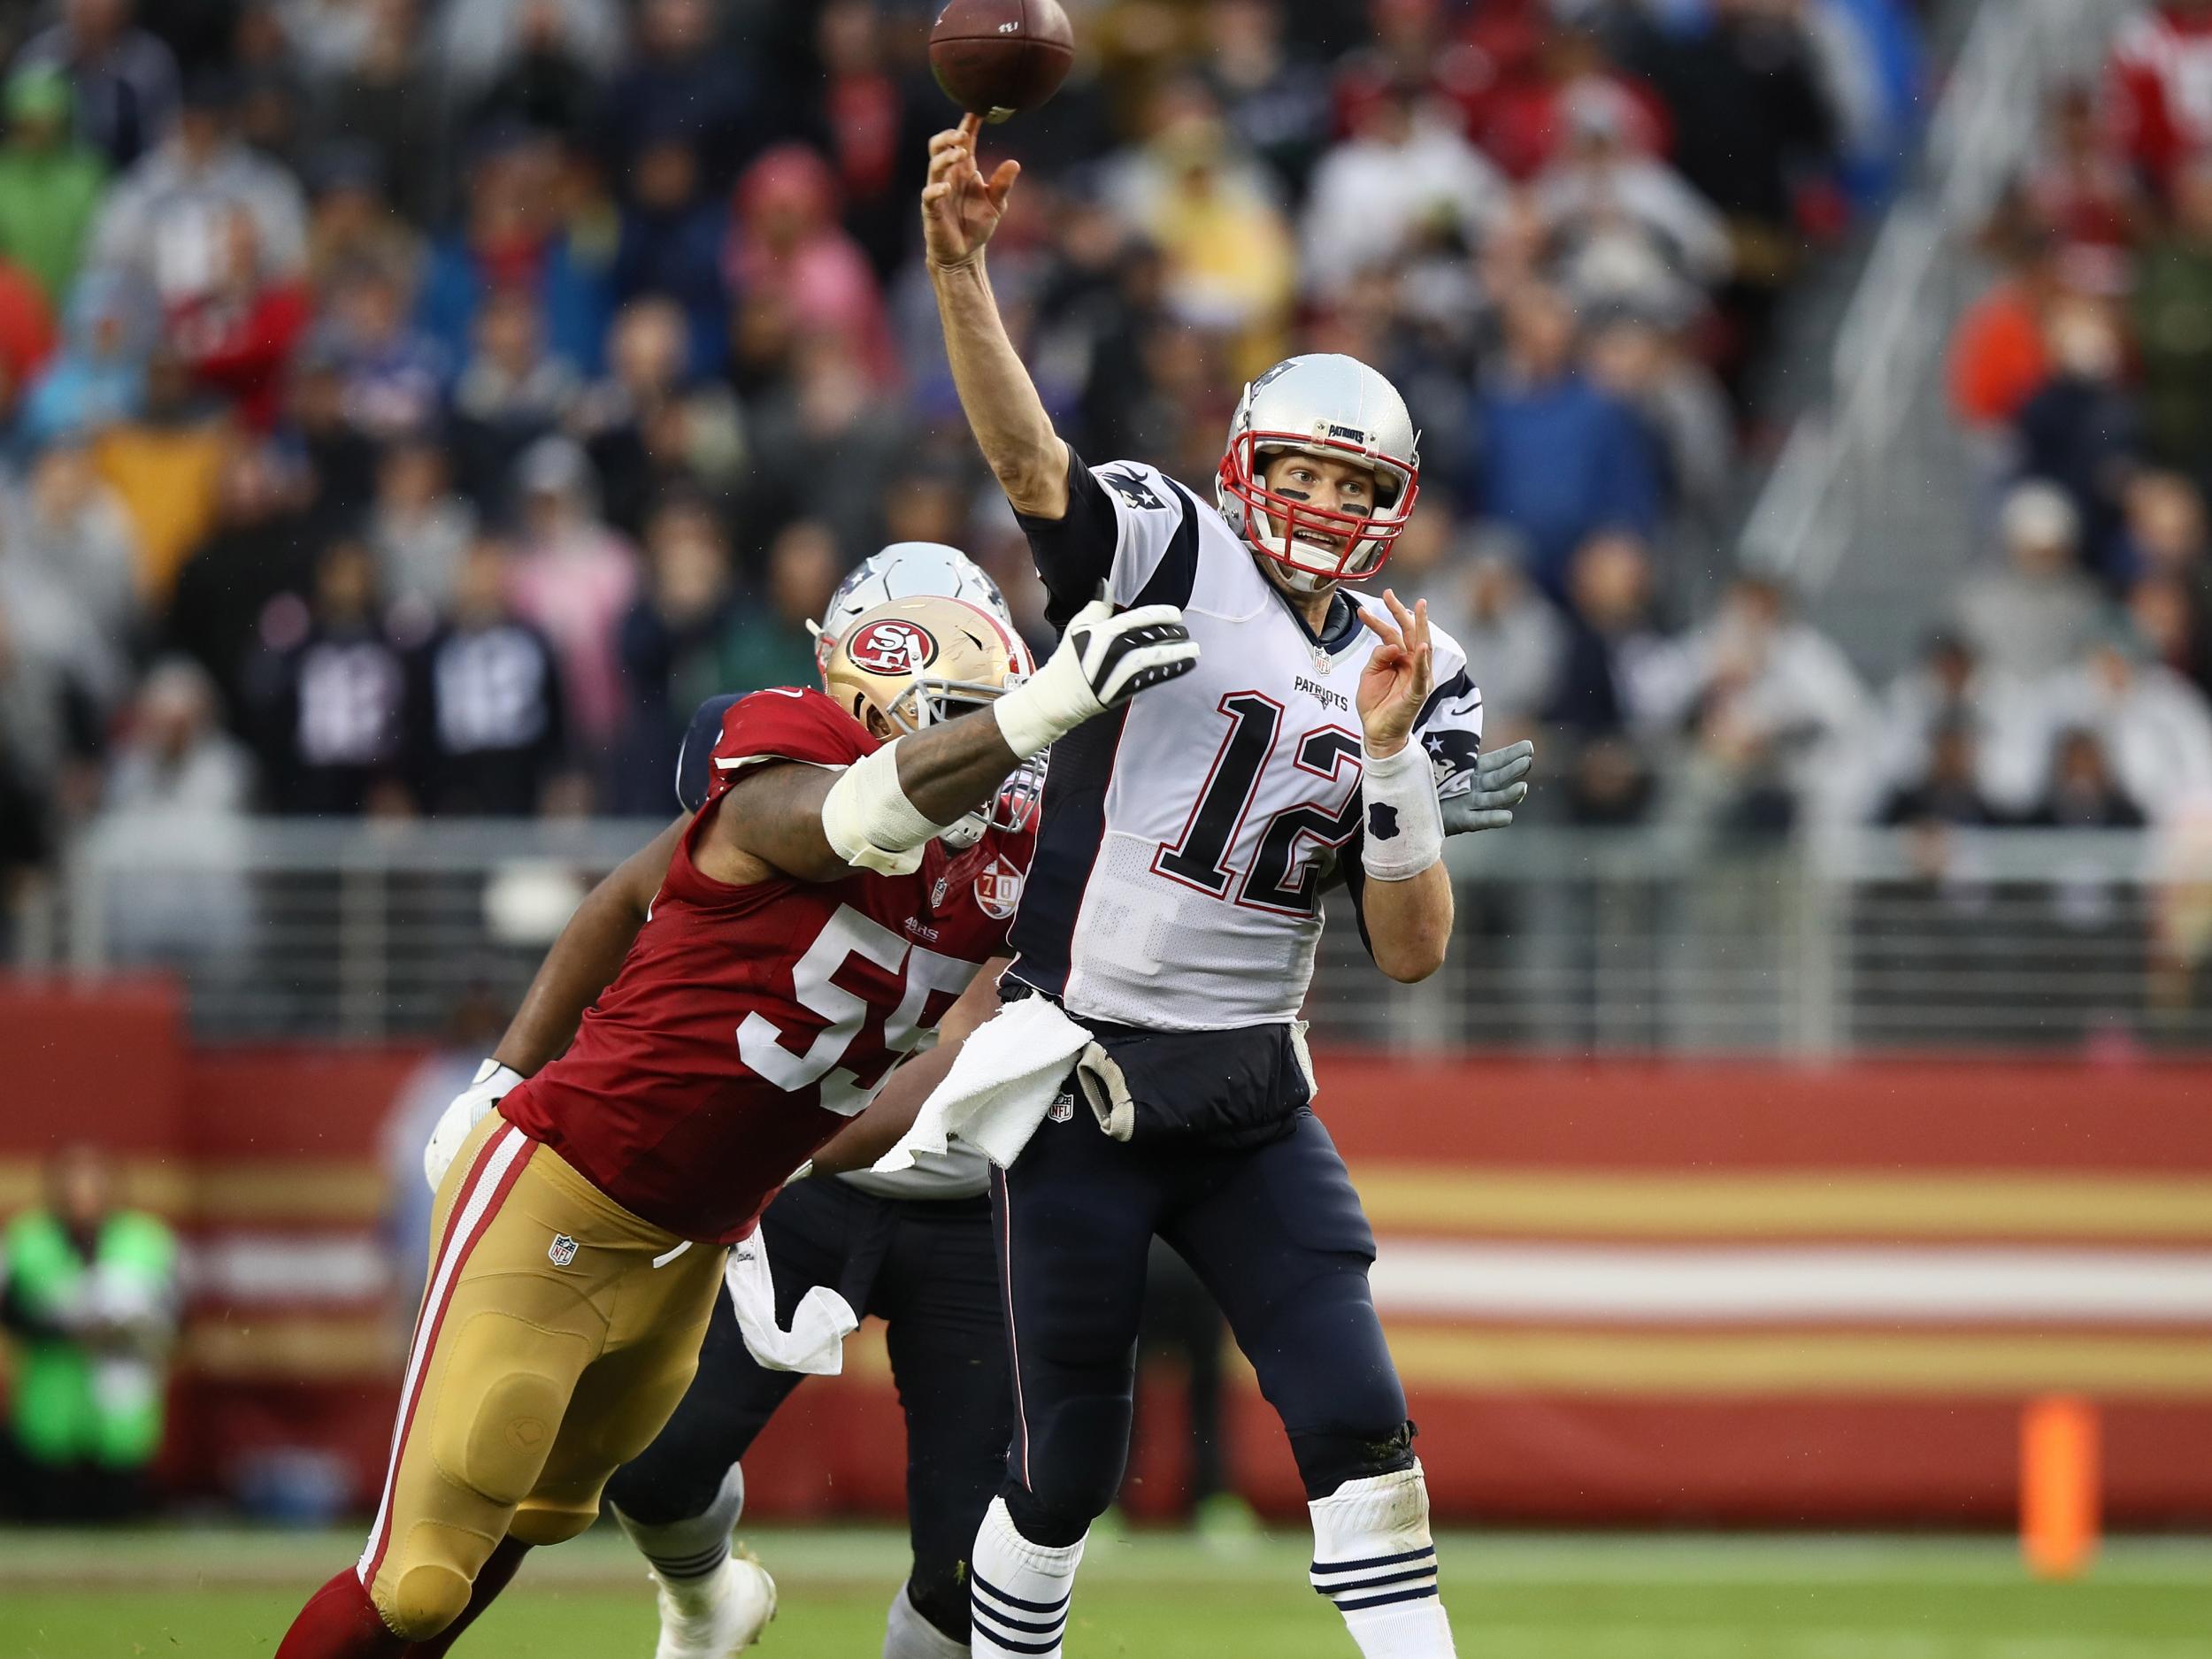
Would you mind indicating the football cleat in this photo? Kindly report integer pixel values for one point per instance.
(719, 1616)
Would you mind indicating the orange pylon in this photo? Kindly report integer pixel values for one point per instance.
(2059, 1481)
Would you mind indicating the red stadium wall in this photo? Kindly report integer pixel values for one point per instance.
(1706, 1291)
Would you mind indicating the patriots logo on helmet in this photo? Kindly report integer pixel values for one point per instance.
(892, 647)
(998, 889)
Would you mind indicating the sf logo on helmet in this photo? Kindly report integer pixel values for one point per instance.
(892, 647)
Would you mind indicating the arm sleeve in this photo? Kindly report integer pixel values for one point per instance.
(785, 723)
(1127, 525)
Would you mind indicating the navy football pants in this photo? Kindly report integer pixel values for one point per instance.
(926, 1270)
(1276, 1234)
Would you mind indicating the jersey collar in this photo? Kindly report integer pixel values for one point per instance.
(1338, 628)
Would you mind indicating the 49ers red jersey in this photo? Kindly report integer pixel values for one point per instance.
(748, 1023)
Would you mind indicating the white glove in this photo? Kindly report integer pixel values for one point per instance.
(1495, 787)
(469, 1108)
(1104, 658)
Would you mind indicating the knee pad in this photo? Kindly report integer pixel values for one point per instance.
(1371, 1542)
(430, 1580)
(1327, 1458)
(1071, 1470)
(505, 1389)
(1041, 1521)
(537, 1523)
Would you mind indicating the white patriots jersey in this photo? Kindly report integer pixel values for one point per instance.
(1188, 835)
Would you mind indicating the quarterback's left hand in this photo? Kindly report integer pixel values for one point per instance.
(1397, 679)
(1496, 785)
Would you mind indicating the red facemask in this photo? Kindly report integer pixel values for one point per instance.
(1364, 540)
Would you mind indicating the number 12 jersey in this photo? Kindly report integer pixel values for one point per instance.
(1187, 837)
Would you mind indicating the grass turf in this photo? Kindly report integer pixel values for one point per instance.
(199, 1593)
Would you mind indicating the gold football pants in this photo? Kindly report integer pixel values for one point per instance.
(557, 1333)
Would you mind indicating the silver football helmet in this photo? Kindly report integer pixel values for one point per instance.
(905, 570)
(1335, 406)
(933, 570)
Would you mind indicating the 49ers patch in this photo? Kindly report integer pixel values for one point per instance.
(998, 889)
(892, 646)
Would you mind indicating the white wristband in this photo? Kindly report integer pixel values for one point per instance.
(1405, 825)
(1045, 708)
(868, 820)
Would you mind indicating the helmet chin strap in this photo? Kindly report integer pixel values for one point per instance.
(1288, 577)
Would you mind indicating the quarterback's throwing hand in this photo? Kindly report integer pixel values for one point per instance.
(960, 207)
(1398, 677)
(1105, 658)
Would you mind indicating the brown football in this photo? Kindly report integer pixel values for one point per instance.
(997, 58)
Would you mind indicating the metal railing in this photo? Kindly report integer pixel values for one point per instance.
(1572, 940)
(1871, 506)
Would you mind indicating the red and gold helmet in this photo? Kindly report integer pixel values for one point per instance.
(913, 664)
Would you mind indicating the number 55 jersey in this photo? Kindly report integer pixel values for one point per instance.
(1187, 835)
(747, 1024)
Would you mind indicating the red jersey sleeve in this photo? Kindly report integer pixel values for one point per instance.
(787, 723)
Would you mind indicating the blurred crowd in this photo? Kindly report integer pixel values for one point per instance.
(412, 407)
(2070, 682)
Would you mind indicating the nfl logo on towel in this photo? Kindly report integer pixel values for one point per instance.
(561, 1251)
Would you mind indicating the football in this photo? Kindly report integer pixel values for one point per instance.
(998, 58)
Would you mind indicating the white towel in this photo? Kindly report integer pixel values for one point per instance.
(815, 1343)
(1001, 1083)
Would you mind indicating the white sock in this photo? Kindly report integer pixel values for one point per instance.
(1373, 1555)
(688, 1555)
(908, 1635)
(1021, 1590)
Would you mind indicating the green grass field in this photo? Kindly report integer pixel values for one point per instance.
(198, 1593)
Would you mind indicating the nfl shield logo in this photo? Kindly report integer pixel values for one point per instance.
(561, 1251)
(1063, 1108)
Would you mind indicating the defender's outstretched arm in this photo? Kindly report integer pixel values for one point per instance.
(960, 209)
(817, 825)
(586, 956)
(772, 820)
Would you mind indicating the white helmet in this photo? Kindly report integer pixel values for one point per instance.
(905, 570)
(1335, 406)
(932, 570)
